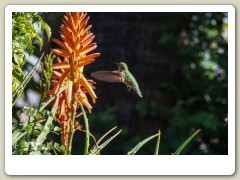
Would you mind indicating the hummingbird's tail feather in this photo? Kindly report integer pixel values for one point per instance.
(138, 92)
(108, 76)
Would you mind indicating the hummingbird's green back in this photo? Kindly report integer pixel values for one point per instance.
(131, 82)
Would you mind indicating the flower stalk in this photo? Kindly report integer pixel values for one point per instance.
(73, 56)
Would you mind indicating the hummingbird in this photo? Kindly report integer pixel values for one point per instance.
(122, 75)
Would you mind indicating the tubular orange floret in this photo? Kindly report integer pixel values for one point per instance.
(83, 99)
(83, 15)
(77, 32)
(85, 37)
(72, 23)
(57, 74)
(73, 56)
(88, 41)
(88, 48)
(73, 38)
(92, 47)
(86, 62)
(87, 105)
(84, 23)
(65, 23)
(59, 60)
(89, 89)
(61, 65)
(59, 84)
(91, 56)
(68, 48)
(61, 52)
(64, 38)
(62, 105)
(76, 17)
(69, 93)
(85, 30)
(68, 14)
(60, 43)
(66, 32)
(65, 18)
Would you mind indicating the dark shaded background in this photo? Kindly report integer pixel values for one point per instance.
(180, 63)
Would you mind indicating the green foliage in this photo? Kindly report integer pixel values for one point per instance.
(23, 35)
(47, 71)
(26, 133)
(199, 78)
(21, 86)
(29, 136)
(42, 136)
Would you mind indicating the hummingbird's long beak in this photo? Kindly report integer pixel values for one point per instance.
(114, 63)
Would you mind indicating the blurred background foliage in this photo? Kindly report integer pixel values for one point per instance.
(180, 62)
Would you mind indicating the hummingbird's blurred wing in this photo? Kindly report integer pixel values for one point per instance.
(109, 76)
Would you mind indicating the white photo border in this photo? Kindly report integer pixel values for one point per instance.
(119, 164)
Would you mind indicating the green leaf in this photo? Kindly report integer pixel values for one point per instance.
(139, 145)
(158, 143)
(36, 18)
(40, 41)
(186, 142)
(57, 129)
(15, 83)
(35, 153)
(18, 73)
(46, 27)
(24, 146)
(16, 136)
(98, 142)
(97, 149)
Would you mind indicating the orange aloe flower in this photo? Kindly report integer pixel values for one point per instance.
(76, 44)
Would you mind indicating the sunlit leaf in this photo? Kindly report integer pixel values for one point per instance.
(140, 144)
(177, 152)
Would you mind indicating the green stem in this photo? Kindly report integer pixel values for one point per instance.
(86, 129)
(70, 138)
(73, 108)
